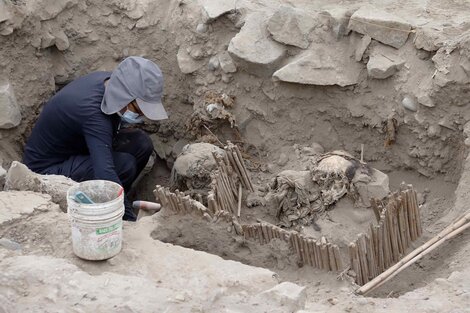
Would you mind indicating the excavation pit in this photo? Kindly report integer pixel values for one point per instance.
(322, 76)
(233, 238)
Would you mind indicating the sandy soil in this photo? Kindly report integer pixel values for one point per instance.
(44, 45)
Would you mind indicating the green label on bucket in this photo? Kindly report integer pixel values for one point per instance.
(105, 230)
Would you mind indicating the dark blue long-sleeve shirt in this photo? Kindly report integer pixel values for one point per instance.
(72, 123)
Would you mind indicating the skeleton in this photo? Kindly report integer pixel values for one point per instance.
(210, 115)
(300, 196)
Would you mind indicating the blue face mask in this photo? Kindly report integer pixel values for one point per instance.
(131, 117)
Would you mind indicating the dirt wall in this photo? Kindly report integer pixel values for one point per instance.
(268, 67)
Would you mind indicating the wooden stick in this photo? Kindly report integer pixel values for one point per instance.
(380, 248)
(260, 234)
(310, 252)
(331, 257)
(372, 265)
(319, 255)
(250, 231)
(392, 228)
(338, 260)
(404, 209)
(239, 155)
(171, 196)
(403, 222)
(311, 248)
(304, 248)
(324, 256)
(387, 245)
(418, 216)
(187, 203)
(411, 216)
(239, 199)
(228, 192)
(361, 248)
(275, 231)
(299, 249)
(230, 184)
(234, 166)
(397, 233)
(245, 231)
(292, 243)
(264, 229)
(162, 197)
(244, 177)
(355, 263)
(448, 233)
(180, 203)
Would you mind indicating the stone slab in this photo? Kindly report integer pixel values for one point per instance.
(252, 47)
(382, 26)
(217, 8)
(10, 113)
(383, 65)
(291, 26)
(320, 67)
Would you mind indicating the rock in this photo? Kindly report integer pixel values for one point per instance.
(428, 38)
(213, 63)
(201, 28)
(426, 100)
(20, 178)
(253, 48)
(15, 204)
(5, 13)
(47, 40)
(5, 16)
(226, 63)
(11, 115)
(291, 26)
(214, 9)
(380, 25)
(320, 67)
(9, 244)
(11, 17)
(61, 41)
(283, 159)
(434, 131)
(409, 103)
(377, 187)
(49, 9)
(365, 41)
(339, 19)
(3, 174)
(466, 130)
(382, 65)
(289, 296)
(186, 63)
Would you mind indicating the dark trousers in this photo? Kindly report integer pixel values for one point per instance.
(131, 151)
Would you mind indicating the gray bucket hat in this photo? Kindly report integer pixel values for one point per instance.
(138, 79)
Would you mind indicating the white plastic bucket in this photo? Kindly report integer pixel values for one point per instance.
(97, 227)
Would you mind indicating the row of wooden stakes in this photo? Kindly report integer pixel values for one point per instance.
(180, 203)
(316, 253)
(399, 224)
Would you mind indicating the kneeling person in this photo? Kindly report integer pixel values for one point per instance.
(78, 133)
